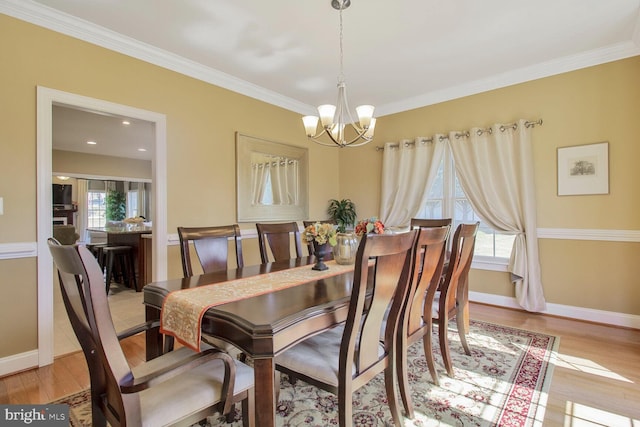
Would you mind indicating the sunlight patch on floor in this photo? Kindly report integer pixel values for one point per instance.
(587, 366)
(578, 415)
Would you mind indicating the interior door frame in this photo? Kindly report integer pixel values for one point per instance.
(46, 98)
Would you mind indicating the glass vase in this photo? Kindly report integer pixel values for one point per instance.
(344, 252)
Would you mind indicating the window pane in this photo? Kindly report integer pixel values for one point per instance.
(437, 189)
(458, 189)
(440, 204)
(96, 207)
(132, 203)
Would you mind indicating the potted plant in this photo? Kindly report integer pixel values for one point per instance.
(343, 212)
(116, 206)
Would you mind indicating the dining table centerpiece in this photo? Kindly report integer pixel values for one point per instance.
(343, 213)
(323, 237)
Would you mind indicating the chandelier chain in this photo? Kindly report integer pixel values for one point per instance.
(341, 76)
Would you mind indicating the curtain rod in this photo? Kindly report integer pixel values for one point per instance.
(479, 132)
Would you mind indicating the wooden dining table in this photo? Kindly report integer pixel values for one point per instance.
(261, 326)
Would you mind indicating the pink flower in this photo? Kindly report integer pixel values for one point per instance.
(371, 225)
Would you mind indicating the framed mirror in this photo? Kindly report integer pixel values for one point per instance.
(272, 180)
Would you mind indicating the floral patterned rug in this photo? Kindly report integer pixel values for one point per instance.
(503, 383)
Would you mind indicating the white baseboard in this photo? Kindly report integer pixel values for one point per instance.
(18, 362)
(568, 311)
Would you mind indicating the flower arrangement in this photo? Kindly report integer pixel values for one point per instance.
(320, 233)
(371, 225)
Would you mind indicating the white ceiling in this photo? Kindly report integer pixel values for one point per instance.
(398, 55)
(72, 128)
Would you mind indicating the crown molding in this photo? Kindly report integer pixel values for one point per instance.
(52, 19)
(521, 75)
(63, 23)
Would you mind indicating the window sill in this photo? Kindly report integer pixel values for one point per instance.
(492, 264)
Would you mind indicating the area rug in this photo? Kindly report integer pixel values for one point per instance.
(503, 383)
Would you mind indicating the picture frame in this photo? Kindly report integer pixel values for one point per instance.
(583, 169)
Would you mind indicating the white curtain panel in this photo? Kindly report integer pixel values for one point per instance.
(408, 171)
(260, 175)
(279, 182)
(495, 170)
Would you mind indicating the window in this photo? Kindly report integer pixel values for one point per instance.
(132, 203)
(96, 207)
(446, 199)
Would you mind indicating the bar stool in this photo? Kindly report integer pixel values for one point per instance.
(97, 249)
(121, 259)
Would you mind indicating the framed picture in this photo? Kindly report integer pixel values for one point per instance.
(583, 169)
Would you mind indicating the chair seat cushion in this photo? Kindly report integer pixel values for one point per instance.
(186, 393)
(317, 357)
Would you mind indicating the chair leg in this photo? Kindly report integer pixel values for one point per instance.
(460, 321)
(403, 376)
(109, 274)
(444, 343)
(428, 351)
(392, 398)
(345, 405)
(168, 343)
(132, 271)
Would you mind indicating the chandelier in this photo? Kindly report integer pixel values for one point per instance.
(336, 120)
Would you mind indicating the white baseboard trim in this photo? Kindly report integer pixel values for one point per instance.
(18, 362)
(568, 311)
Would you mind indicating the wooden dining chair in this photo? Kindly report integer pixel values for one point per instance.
(452, 298)
(435, 222)
(416, 323)
(181, 387)
(278, 238)
(305, 224)
(346, 357)
(211, 245)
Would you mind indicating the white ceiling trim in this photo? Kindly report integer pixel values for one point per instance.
(537, 71)
(52, 19)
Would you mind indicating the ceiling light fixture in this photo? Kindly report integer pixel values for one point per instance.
(335, 118)
(91, 143)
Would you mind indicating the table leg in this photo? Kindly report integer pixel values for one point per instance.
(153, 337)
(265, 399)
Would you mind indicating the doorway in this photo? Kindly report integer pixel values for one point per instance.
(46, 99)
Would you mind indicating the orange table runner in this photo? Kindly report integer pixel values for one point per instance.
(183, 310)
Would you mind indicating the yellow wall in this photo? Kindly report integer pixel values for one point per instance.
(201, 123)
(591, 105)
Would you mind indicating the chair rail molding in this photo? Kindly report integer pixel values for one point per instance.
(18, 250)
(589, 234)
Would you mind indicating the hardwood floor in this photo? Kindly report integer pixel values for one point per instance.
(595, 383)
